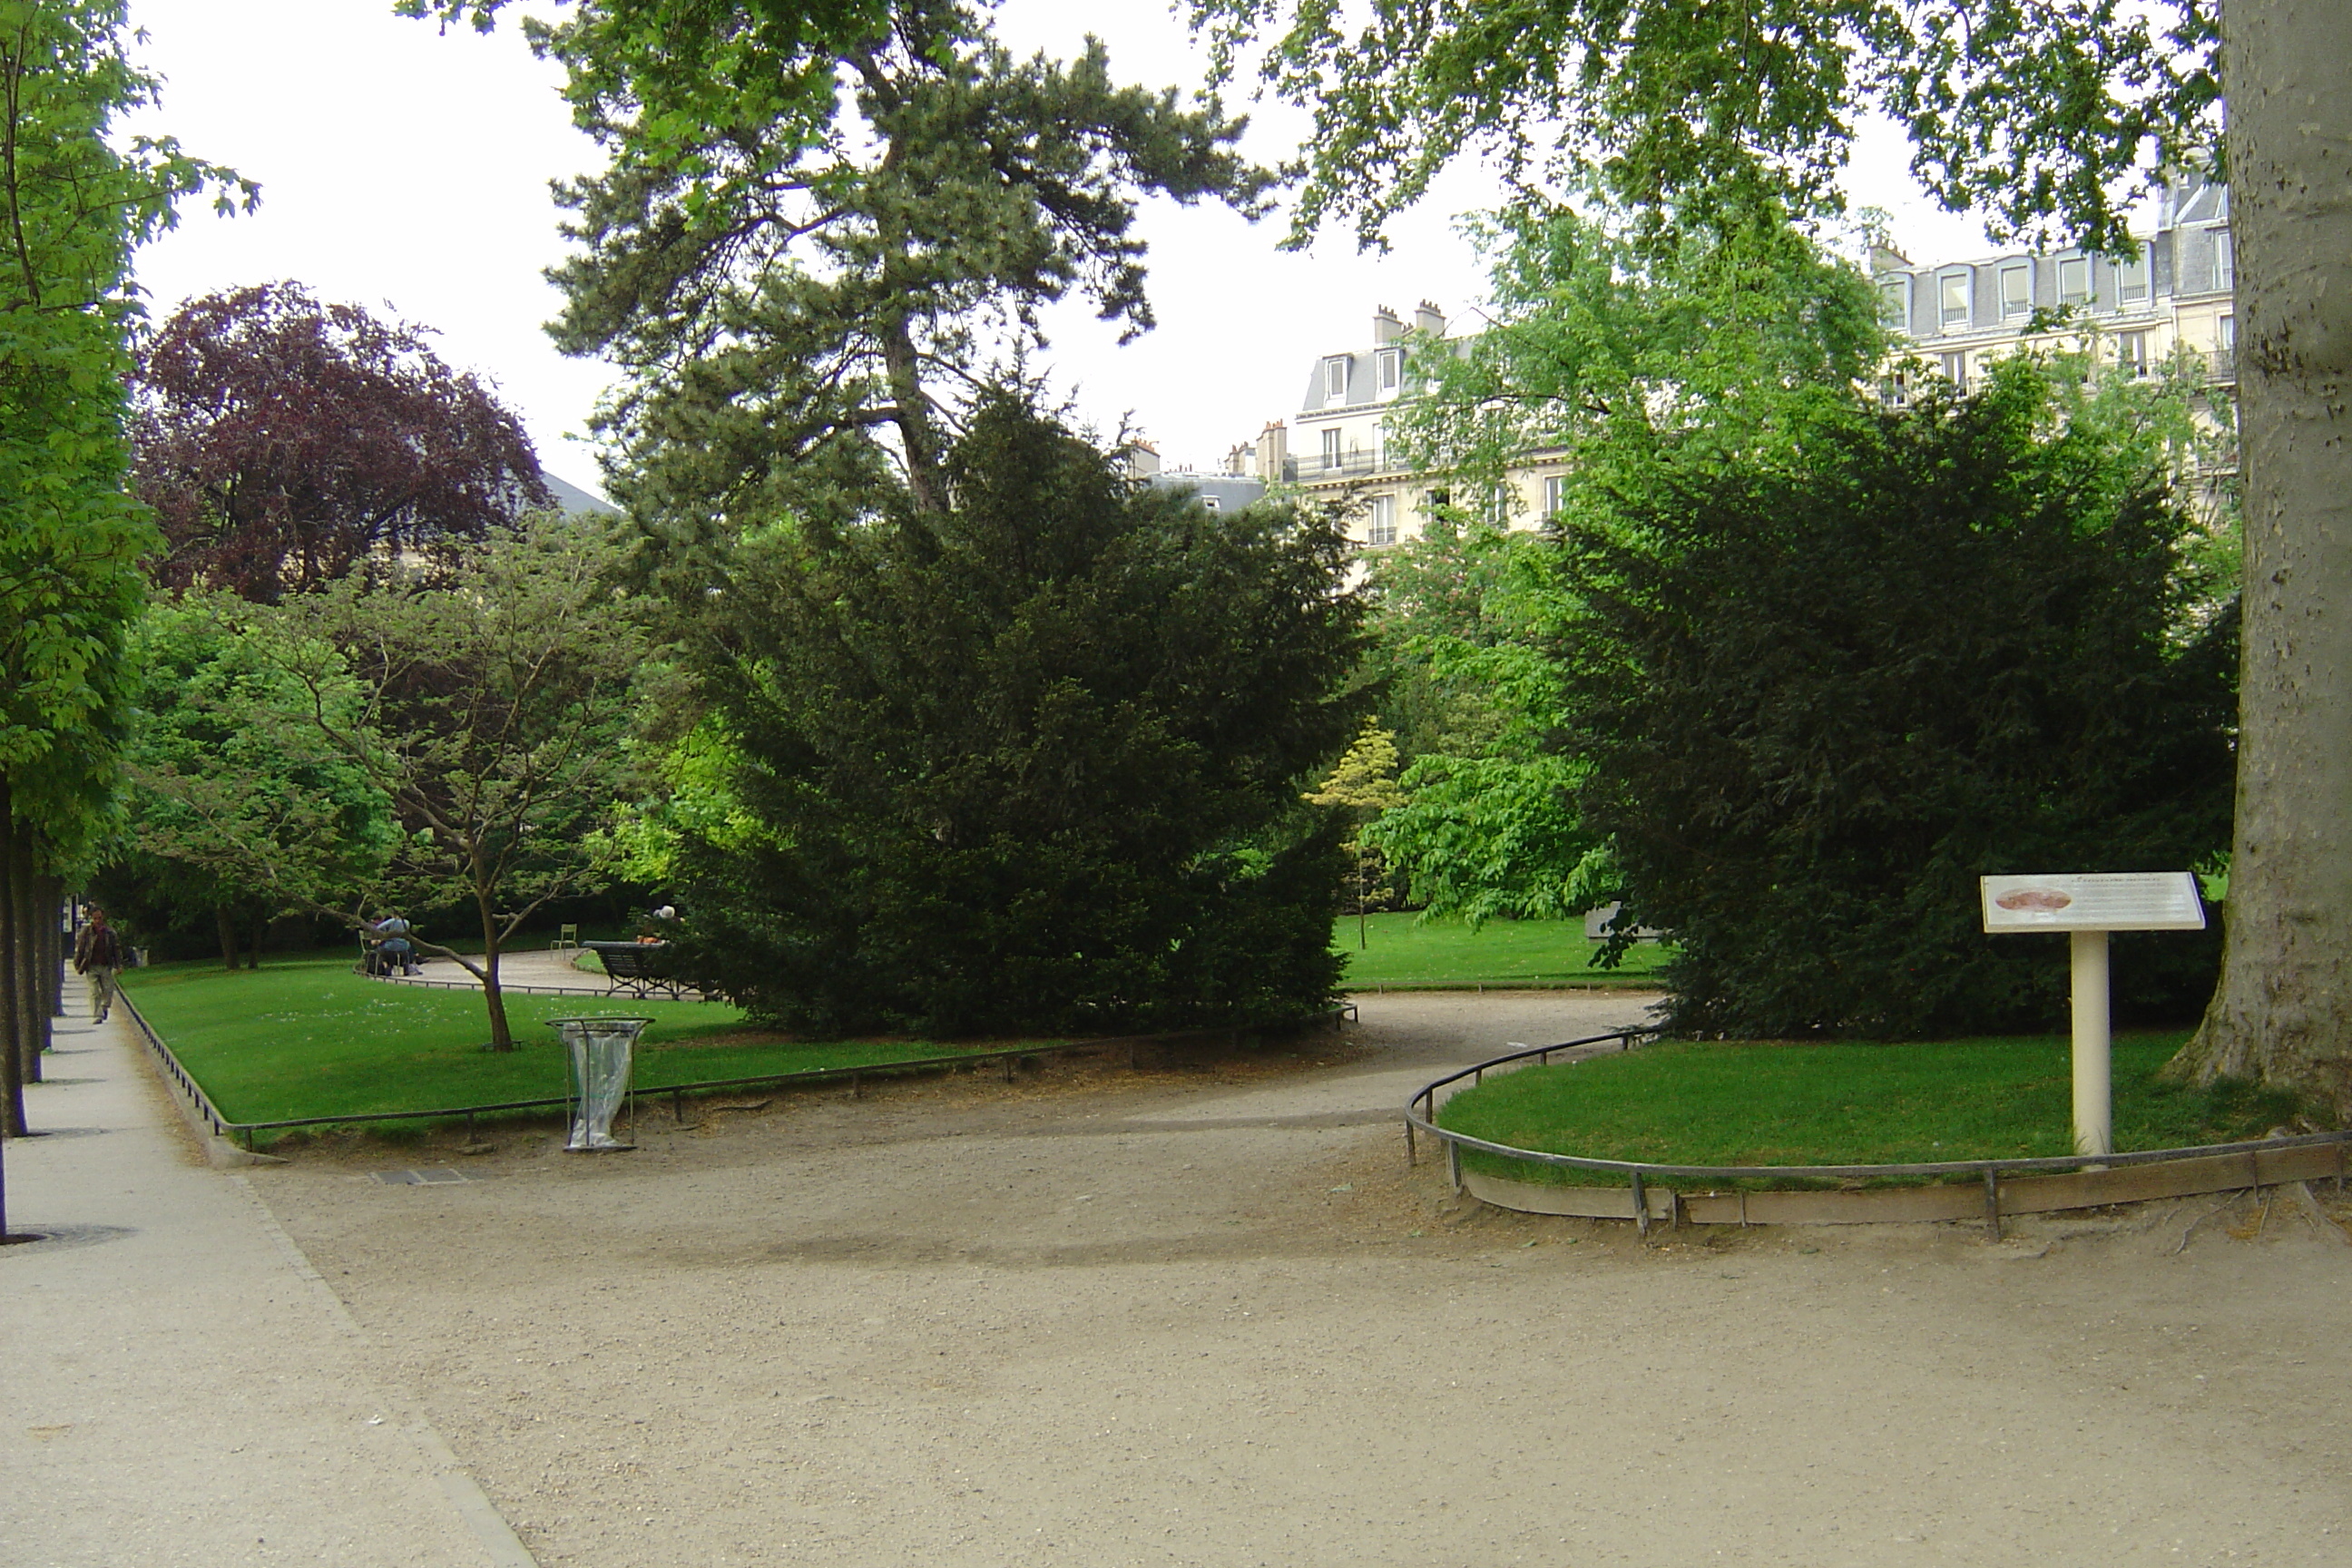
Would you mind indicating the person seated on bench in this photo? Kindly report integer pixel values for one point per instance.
(392, 948)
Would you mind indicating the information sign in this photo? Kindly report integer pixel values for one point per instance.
(2088, 905)
(2094, 901)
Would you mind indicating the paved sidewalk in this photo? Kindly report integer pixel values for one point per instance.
(182, 1387)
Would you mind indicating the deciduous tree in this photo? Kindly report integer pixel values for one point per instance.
(234, 808)
(491, 713)
(73, 205)
(283, 442)
(2052, 115)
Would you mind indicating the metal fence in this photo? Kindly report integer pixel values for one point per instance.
(1008, 1058)
(1421, 1118)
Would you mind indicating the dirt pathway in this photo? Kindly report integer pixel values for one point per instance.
(1205, 1316)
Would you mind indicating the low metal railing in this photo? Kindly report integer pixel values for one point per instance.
(1421, 1118)
(1009, 1058)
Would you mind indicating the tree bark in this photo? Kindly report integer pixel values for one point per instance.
(12, 1042)
(501, 1037)
(224, 922)
(917, 432)
(53, 943)
(2279, 1014)
(23, 889)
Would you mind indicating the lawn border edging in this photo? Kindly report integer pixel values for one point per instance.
(2035, 1185)
(202, 1107)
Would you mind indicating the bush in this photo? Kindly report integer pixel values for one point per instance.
(1823, 683)
(1032, 763)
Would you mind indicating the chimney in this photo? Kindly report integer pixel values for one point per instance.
(1386, 327)
(1429, 320)
(1273, 452)
(1141, 457)
(1885, 258)
(1238, 460)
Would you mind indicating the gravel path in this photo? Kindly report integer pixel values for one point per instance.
(1205, 1316)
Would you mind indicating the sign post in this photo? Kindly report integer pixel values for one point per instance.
(2087, 906)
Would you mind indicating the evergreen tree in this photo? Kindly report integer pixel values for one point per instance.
(802, 301)
(1821, 684)
(1029, 763)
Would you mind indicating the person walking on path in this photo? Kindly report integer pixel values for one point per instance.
(98, 954)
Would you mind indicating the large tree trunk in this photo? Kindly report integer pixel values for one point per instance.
(53, 940)
(224, 922)
(24, 876)
(2283, 1011)
(12, 1015)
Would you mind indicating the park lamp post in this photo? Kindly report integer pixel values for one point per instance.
(2087, 906)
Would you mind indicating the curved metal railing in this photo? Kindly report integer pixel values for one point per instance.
(1420, 1116)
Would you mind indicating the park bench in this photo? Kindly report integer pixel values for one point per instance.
(640, 968)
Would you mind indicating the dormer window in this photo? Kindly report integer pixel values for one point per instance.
(1954, 289)
(2074, 281)
(1391, 364)
(1895, 303)
(2131, 282)
(1335, 379)
(2017, 290)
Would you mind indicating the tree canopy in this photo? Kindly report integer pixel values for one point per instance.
(1032, 763)
(74, 203)
(492, 713)
(235, 810)
(2040, 111)
(283, 442)
(805, 288)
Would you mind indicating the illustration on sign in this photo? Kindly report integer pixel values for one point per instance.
(2094, 901)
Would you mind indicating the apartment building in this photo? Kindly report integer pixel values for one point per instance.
(2174, 296)
(1337, 447)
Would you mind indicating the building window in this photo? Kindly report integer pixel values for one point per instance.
(2017, 290)
(1211, 503)
(1895, 303)
(2131, 282)
(2131, 352)
(1894, 389)
(1953, 290)
(2225, 261)
(2225, 347)
(1956, 370)
(1392, 371)
(1382, 529)
(1435, 501)
(1555, 494)
(1331, 448)
(1335, 379)
(2075, 281)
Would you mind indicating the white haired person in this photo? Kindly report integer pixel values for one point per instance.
(98, 954)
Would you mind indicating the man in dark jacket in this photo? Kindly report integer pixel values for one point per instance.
(98, 954)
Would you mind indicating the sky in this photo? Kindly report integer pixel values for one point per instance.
(407, 171)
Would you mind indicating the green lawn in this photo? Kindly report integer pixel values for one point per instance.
(1408, 954)
(304, 1038)
(1841, 1103)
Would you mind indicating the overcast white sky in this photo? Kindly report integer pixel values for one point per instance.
(405, 169)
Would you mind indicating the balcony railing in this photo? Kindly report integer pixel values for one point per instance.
(1316, 467)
